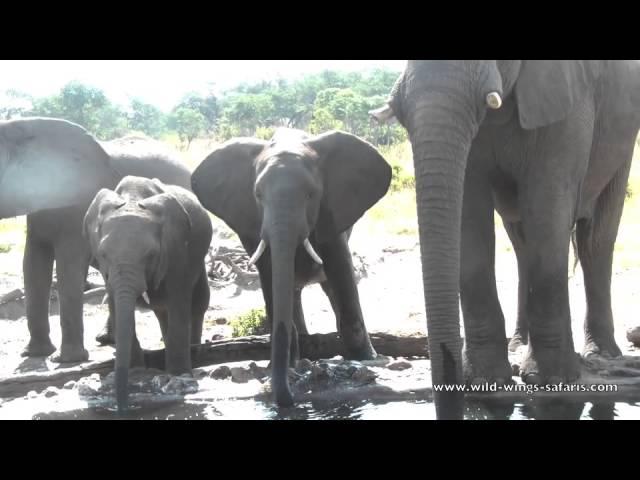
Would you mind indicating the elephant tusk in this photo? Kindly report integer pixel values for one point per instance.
(258, 253)
(311, 251)
(494, 101)
(145, 297)
(104, 299)
(383, 114)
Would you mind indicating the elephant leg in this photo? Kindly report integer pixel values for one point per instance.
(38, 269)
(326, 287)
(338, 267)
(106, 335)
(298, 313)
(163, 320)
(485, 355)
(551, 357)
(596, 239)
(199, 306)
(521, 335)
(72, 265)
(178, 339)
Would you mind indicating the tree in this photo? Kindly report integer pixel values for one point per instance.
(207, 105)
(15, 104)
(189, 123)
(146, 118)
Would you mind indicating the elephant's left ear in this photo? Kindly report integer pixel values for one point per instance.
(176, 229)
(547, 90)
(356, 176)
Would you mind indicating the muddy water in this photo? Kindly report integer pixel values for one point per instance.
(346, 392)
(352, 410)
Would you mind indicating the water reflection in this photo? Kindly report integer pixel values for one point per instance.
(363, 409)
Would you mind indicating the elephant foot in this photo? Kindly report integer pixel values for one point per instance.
(603, 345)
(38, 349)
(550, 366)
(105, 337)
(71, 354)
(365, 352)
(517, 341)
(486, 364)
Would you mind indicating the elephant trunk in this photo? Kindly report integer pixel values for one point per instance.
(441, 142)
(124, 283)
(283, 242)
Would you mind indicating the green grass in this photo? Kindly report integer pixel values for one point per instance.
(251, 323)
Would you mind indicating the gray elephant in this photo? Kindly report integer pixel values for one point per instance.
(294, 197)
(51, 169)
(150, 240)
(546, 143)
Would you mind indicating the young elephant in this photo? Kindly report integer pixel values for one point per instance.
(150, 239)
(295, 196)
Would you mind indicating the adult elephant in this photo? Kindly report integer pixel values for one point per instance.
(294, 197)
(50, 170)
(548, 144)
(150, 239)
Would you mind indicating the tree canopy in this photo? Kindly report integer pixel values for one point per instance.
(314, 102)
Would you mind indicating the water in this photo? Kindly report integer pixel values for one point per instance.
(365, 409)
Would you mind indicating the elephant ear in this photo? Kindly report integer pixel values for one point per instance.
(224, 184)
(105, 202)
(356, 176)
(547, 90)
(175, 230)
(49, 163)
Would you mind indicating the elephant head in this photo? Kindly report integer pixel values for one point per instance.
(49, 163)
(133, 232)
(290, 192)
(442, 105)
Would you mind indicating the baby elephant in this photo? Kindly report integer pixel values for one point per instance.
(150, 240)
(291, 201)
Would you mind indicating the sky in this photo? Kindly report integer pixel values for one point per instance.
(161, 82)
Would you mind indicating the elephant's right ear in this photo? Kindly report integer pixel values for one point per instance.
(49, 163)
(104, 203)
(224, 184)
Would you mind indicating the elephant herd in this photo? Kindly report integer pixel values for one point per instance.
(547, 144)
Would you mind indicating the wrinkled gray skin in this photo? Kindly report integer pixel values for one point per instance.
(555, 155)
(50, 170)
(285, 190)
(150, 237)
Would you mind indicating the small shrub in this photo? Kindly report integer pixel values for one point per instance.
(254, 322)
(5, 247)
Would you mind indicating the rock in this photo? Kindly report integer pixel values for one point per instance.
(240, 375)
(69, 385)
(159, 381)
(216, 336)
(221, 321)
(304, 365)
(399, 364)
(50, 392)
(89, 386)
(182, 385)
(633, 335)
(199, 373)
(363, 375)
(32, 394)
(221, 373)
(257, 371)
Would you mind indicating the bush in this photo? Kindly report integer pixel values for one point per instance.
(5, 247)
(254, 322)
(265, 133)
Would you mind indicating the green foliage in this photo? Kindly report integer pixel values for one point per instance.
(5, 247)
(189, 123)
(251, 323)
(315, 102)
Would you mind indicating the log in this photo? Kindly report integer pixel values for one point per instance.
(11, 296)
(256, 347)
